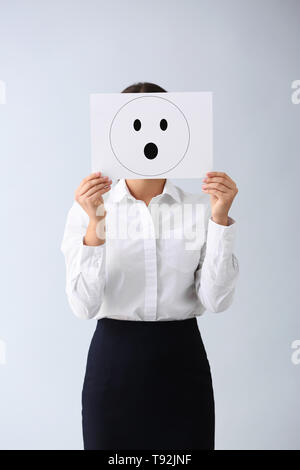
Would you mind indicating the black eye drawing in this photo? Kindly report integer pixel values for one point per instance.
(137, 125)
(163, 125)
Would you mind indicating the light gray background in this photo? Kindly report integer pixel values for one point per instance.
(52, 55)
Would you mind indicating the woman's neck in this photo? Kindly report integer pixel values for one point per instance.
(145, 189)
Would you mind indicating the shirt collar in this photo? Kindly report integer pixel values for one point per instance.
(121, 190)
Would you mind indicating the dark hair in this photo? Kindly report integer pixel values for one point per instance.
(144, 87)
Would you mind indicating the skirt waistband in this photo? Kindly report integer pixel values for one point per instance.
(139, 331)
(112, 323)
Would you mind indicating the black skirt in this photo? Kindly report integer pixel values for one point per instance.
(147, 386)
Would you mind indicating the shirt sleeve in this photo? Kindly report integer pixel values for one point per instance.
(218, 269)
(85, 266)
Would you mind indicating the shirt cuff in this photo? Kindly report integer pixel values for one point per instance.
(220, 238)
(91, 258)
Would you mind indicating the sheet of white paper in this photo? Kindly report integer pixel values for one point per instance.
(152, 135)
(2, 92)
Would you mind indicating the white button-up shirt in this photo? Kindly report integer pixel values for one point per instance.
(165, 261)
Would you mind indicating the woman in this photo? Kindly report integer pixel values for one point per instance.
(148, 382)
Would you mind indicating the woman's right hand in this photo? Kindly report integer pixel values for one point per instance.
(89, 194)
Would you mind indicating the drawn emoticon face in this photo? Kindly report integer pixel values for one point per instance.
(143, 133)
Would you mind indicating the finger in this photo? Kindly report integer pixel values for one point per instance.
(220, 174)
(96, 189)
(92, 176)
(221, 187)
(220, 179)
(216, 192)
(91, 183)
(99, 193)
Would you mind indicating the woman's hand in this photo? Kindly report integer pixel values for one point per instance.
(89, 196)
(222, 190)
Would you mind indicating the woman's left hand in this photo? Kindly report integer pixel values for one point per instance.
(222, 190)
